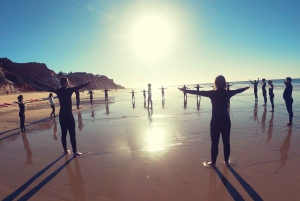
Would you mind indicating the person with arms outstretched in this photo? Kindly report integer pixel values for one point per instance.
(132, 96)
(264, 91)
(255, 83)
(162, 91)
(287, 96)
(91, 96)
(271, 94)
(220, 121)
(66, 118)
(198, 89)
(183, 89)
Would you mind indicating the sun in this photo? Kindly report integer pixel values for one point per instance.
(152, 37)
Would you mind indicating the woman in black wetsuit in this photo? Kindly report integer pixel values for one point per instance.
(264, 91)
(220, 121)
(255, 87)
(21, 113)
(271, 94)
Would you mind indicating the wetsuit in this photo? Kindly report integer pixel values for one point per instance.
(66, 118)
(77, 99)
(106, 94)
(271, 94)
(220, 121)
(22, 116)
(255, 88)
(91, 97)
(264, 91)
(287, 96)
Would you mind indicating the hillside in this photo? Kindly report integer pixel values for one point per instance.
(32, 76)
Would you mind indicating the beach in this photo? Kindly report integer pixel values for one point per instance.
(134, 153)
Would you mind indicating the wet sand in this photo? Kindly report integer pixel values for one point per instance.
(131, 153)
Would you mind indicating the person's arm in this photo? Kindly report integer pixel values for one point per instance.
(80, 86)
(202, 93)
(234, 92)
(251, 82)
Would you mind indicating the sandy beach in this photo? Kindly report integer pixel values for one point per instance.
(131, 153)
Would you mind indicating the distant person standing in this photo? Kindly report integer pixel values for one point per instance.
(91, 96)
(132, 96)
(287, 96)
(149, 96)
(144, 94)
(163, 91)
(183, 89)
(264, 91)
(198, 89)
(21, 113)
(52, 105)
(255, 83)
(106, 94)
(271, 94)
(77, 99)
(66, 118)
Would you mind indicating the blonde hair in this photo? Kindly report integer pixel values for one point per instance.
(220, 82)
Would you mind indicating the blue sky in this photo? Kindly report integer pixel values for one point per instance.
(159, 42)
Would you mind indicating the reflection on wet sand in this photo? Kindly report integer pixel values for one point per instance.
(107, 108)
(76, 182)
(270, 128)
(145, 104)
(163, 103)
(198, 103)
(184, 103)
(93, 113)
(284, 150)
(263, 119)
(255, 112)
(27, 149)
(150, 112)
(80, 125)
(133, 103)
(55, 129)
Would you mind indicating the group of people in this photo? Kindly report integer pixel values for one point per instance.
(287, 95)
(220, 122)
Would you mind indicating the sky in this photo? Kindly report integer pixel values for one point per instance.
(161, 42)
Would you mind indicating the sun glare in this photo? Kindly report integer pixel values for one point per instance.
(152, 37)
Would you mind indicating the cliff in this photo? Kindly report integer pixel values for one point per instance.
(32, 76)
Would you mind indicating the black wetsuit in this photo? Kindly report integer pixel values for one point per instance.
(91, 97)
(106, 94)
(287, 96)
(66, 118)
(22, 116)
(77, 99)
(271, 94)
(264, 91)
(255, 88)
(220, 121)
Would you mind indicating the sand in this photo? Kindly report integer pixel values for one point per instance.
(131, 153)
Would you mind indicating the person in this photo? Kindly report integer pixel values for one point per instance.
(21, 113)
(144, 94)
(149, 96)
(77, 99)
(220, 121)
(255, 83)
(106, 94)
(264, 91)
(162, 91)
(183, 89)
(271, 94)
(132, 96)
(66, 118)
(52, 105)
(91, 96)
(287, 96)
(198, 88)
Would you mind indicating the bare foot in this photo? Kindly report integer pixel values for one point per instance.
(272, 111)
(289, 124)
(76, 154)
(67, 152)
(209, 164)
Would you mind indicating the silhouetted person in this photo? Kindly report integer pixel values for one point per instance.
(287, 96)
(144, 94)
(162, 91)
(149, 96)
(21, 113)
(77, 99)
(106, 94)
(91, 96)
(27, 149)
(132, 95)
(183, 89)
(52, 104)
(264, 91)
(271, 94)
(66, 118)
(198, 89)
(255, 83)
(220, 121)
